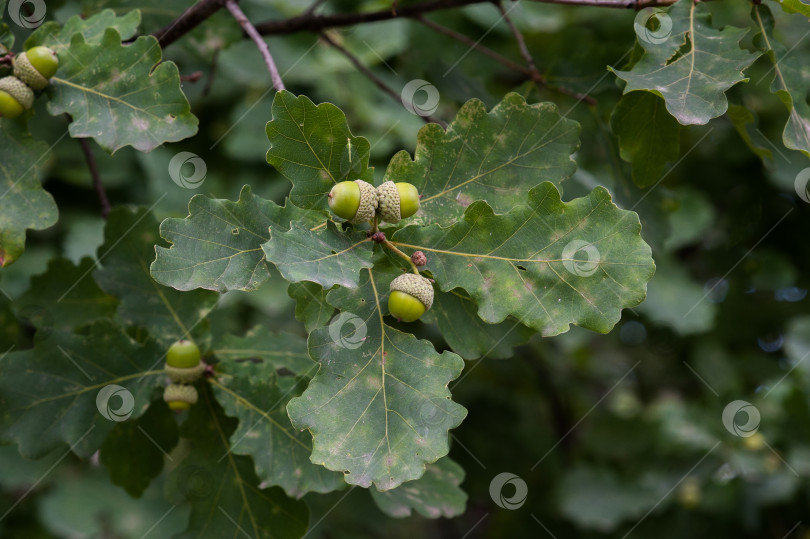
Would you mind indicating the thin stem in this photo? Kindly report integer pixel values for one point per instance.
(524, 50)
(401, 254)
(534, 73)
(372, 77)
(261, 44)
(187, 21)
(91, 164)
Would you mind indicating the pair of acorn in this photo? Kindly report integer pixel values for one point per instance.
(32, 71)
(184, 367)
(359, 202)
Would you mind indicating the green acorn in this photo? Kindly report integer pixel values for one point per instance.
(397, 201)
(183, 363)
(35, 66)
(355, 201)
(180, 397)
(411, 295)
(15, 97)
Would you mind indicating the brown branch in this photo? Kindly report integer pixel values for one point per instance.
(187, 21)
(309, 21)
(318, 23)
(261, 44)
(91, 164)
(372, 77)
(524, 50)
(535, 75)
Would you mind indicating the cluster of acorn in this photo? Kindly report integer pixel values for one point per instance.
(184, 367)
(359, 202)
(32, 69)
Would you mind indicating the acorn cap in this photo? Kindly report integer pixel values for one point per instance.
(368, 203)
(18, 90)
(388, 202)
(416, 286)
(182, 375)
(181, 393)
(26, 72)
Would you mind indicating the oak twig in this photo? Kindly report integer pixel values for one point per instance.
(393, 248)
(261, 44)
(187, 21)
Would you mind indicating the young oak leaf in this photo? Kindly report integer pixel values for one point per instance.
(57, 37)
(547, 263)
(129, 246)
(24, 203)
(120, 95)
(225, 495)
(436, 494)
(252, 392)
(692, 66)
(379, 409)
(494, 156)
(219, 245)
(312, 146)
(326, 256)
(790, 81)
(72, 389)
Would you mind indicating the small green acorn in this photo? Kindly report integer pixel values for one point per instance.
(180, 397)
(397, 201)
(355, 201)
(183, 363)
(35, 66)
(15, 97)
(411, 295)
